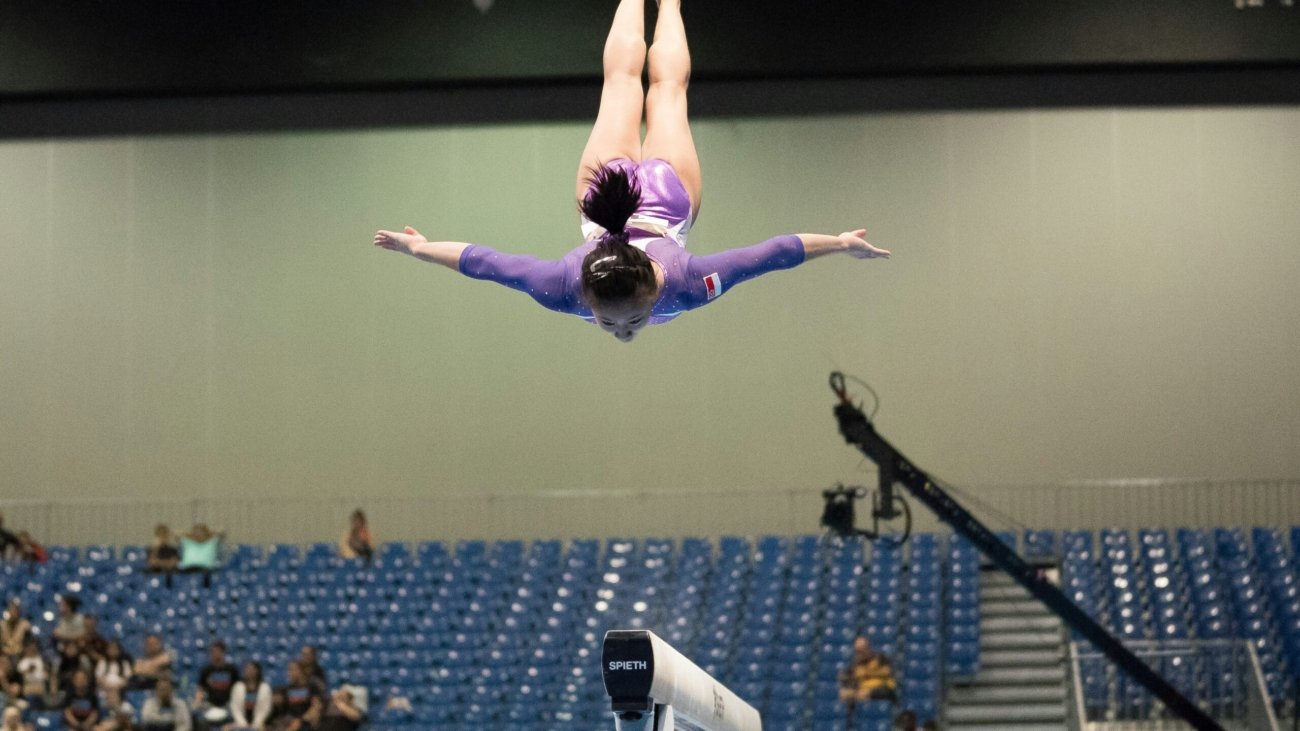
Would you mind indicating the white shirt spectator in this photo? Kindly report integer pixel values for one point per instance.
(176, 715)
(239, 706)
(36, 675)
(112, 673)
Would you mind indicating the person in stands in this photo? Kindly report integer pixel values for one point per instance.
(155, 662)
(36, 673)
(80, 704)
(163, 711)
(870, 676)
(356, 542)
(113, 670)
(119, 715)
(72, 624)
(14, 629)
(342, 713)
(212, 695)
(303, 702)
(250, 700)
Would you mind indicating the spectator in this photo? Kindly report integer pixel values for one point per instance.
(250, 700)
(163, 711)
(13, 721)
(356, 542)
(113, 669)
(312, 670)
(14, 629)
(906, 721)
(29, 550)
(869, 677)
(71, 661)
(72, 625)
(163, 556)
(92, 642)
(11, 686)
(212, 696)
(200, 550)
(80, 705)
(342, 714)
(118, 713)
(279, 710)
(303, 702)
(8, 541)
(155, 662)
(35, 670)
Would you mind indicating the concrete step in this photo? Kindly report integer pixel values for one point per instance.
(1027, 608)
(1007, 713)
(1013, 591)
(1021, 658)
(996, 578)
(1011, 623)
(969, 696)
(1025, 676)
(1020, 641)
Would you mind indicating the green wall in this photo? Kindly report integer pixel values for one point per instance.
(1074, 294)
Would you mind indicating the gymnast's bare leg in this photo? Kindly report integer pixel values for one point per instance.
(617, 131)
(668, 132)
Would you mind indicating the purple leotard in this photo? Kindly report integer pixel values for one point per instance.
(659, 226)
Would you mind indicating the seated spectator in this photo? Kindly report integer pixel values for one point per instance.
(11, 686)
(13, 721)
(303, 701)
(870, 676)
(14, 629)
(118, 713)
(92, 642)
(342, 713)
(279, 710)
(71, 661)
(163, 711)
(163, 555)
(72, 625)
(356, 542)
(8, 540)
(29, 550)
(212, 695)
(314, 673)
(80, 704)
(200, 551)
(250, 700)
(113, 670)
(35, 670)
(155, 662)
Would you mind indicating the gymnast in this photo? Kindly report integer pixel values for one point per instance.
(637, 206)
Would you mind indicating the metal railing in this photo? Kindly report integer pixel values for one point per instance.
(1223, 677)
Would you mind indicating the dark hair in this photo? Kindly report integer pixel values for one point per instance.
(258, 667)
(218, 644)
(614, 270)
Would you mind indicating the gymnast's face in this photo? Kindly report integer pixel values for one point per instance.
(625, 319)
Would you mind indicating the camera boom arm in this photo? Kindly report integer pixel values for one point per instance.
(859, 432)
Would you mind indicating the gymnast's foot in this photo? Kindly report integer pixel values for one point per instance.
(403, 242)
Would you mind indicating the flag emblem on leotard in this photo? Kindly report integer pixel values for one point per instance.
(713, 285)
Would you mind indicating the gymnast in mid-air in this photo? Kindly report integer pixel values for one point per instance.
(637, 201)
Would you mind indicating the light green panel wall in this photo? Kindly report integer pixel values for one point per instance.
(1074, 294)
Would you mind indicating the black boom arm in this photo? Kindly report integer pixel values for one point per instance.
(859, 432)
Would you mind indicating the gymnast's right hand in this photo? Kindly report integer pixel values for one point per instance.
(404, 242)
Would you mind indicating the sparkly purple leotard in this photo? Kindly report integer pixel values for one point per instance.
(659, 227)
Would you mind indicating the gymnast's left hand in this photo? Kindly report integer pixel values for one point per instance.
(858, 247)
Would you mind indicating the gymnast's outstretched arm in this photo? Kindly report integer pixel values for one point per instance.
(412, 243)
(713, 274)
(541, 279)
(849, 242)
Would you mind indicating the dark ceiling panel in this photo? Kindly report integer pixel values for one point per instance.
(87, 48)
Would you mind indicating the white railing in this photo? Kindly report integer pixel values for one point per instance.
(271, 517)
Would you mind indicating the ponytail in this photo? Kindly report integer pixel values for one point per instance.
(612, 197)
(614, 270)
